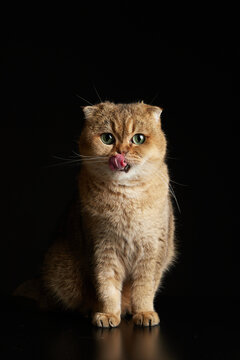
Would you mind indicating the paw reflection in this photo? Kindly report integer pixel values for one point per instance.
(130, 342)
(76, 338)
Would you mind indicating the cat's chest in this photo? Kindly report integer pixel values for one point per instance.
(124, 217)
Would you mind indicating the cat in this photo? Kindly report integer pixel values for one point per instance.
(119, 238)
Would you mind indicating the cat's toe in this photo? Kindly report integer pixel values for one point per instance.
(148, 318)
(105, 320)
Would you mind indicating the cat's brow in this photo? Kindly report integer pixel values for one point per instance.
(106, 125)
(113, 125)
(110, 125)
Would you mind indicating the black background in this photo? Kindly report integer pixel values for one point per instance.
(198, 90)
(126, 57)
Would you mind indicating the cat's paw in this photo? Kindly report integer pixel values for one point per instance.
(105, 320)
(147, 318)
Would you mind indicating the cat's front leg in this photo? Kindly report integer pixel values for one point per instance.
(143, 292)
(108, 285)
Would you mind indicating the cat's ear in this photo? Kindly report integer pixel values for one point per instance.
(89, 111)
(157, 111)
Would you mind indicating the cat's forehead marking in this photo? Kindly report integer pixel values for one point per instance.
(129, 126)
(129, 122)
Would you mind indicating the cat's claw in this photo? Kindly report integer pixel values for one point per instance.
(105, 320)
(148, 318)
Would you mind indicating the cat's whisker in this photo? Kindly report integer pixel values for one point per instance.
(83, 161)
(172, 158)
(75, 153)
(155, 96)
(76, 162)
(89, 156)
(62, 158)
(170, 184)
(165, 180)
(97, 92)
(92, 160)
(92, 157)
(79, 157)
(84, 99)
(175, 182)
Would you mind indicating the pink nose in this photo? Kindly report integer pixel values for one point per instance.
(117, 162)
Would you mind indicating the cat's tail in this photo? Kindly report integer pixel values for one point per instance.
(30, 289)
(33, 289)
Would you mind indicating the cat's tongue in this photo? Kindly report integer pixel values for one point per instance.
(117, 162)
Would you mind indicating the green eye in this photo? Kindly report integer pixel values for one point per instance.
(138, 139)
(107, 138)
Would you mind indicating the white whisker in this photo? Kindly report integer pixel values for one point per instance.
(175, 182)
(97, 93)
(78, 159)
(89, 156)
(167, 183)
(84, 99)
(77, 162)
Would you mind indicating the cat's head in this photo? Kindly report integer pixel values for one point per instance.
(122, 141)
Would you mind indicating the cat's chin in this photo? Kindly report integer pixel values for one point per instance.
(125, 176)
(121, 176)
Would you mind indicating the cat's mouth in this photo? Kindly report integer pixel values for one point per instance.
(127, 168)
(118, 163)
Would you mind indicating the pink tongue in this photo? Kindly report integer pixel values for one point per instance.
(117, 162)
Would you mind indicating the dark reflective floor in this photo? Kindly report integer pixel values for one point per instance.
(29, 334)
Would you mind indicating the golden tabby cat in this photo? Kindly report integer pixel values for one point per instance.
(120, 235)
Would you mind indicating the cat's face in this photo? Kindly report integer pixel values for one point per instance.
(126, 140)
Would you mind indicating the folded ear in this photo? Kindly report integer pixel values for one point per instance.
(89, 111)
(157, 113)
(154, 111)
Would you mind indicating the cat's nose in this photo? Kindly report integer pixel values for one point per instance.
(122, 151)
